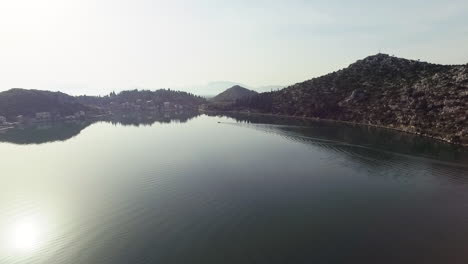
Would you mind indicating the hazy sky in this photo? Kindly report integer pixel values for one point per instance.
(95, 46)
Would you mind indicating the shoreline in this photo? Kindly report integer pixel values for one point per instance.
(343, 122)
(5, 128)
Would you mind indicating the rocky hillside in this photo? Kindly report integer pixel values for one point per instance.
(24, 102)
(382, 90)
(234, 93)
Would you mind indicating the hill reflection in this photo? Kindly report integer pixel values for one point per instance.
(367, 144)
(355, 141)
(148, 120)
(42, 133)
(61, 131)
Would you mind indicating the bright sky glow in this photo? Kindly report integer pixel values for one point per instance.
(96, 46)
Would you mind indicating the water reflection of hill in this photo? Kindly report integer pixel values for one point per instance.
(62, 131)
(42, 133)
(357, 141)
(149, 119)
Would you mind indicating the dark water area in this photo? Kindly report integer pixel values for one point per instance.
(229, 189)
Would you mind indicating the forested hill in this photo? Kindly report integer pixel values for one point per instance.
(16, 102)
(157, 97)
(383, 90)
(24, 102)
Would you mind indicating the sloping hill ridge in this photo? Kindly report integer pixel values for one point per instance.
(234, 93)
(158, 97)
(381, 90)
(24, 102)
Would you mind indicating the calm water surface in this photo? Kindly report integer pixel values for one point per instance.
(239, 189)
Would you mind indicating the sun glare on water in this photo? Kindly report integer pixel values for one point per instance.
(25, 235)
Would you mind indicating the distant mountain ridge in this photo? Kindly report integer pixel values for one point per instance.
(234, 93)
(212, 89)
(382, 90)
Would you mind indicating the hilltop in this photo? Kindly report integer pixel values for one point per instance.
(234, 93)
(382, 90)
